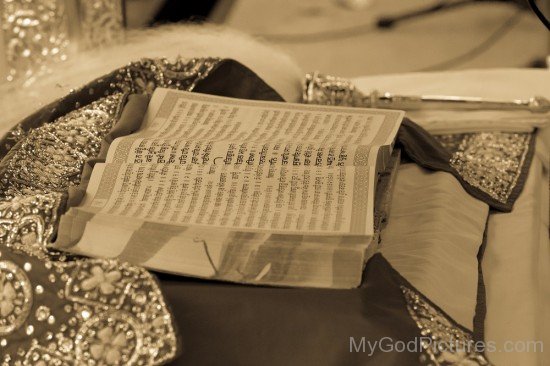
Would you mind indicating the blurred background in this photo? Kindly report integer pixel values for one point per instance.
(363, 37)
(341, 37)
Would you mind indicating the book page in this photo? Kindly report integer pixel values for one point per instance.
(238, 190)
(287, 199)
(260, 258)
(246, 165)
(191, 128)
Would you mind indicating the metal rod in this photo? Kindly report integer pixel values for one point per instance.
(326, 89)
(410, 102)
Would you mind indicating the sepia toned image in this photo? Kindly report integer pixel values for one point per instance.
(254, 182)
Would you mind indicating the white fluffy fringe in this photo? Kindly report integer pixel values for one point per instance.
(187, 41)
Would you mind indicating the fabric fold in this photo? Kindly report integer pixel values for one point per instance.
(433, 236)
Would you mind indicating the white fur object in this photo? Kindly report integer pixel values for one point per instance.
(188, 41)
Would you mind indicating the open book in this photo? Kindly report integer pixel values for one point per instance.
(238, 190)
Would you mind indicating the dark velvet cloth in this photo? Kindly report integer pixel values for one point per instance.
(228, 324)
(232, 79)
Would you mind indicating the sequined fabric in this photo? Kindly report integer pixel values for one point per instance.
(147, 74)
(492, 162)
(58, 310)
(27, 223)
(66, 310)
(141, 76)
(444, 343)
(51, 157)
(13, 136)
(81, 312)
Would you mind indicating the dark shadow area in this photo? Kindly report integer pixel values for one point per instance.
(174, 11)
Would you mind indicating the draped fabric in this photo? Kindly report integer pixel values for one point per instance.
(237, 324)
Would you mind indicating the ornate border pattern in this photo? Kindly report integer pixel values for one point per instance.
(66, 310)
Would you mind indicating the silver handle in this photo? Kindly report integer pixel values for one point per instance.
(326, 89)
(410, 102)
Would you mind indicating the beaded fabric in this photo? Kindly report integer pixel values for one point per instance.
(67, 310)
(138, 77)
(50, 158)
(444, 343)
(489, 161)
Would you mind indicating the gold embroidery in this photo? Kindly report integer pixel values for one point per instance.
(50, 158)
(147, 74)
(88, 311)
(77, 310)
(490, 161)
(15, 297)
(28, 222)
(448, 344)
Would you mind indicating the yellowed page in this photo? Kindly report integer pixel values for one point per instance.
(183, 127)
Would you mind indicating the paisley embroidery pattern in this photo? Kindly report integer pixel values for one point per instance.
(66, 310)
(147, 74)
(15, 297)
(27, 222)
(449, 344)
(50, 158)
(122, 322)
(89, 295)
